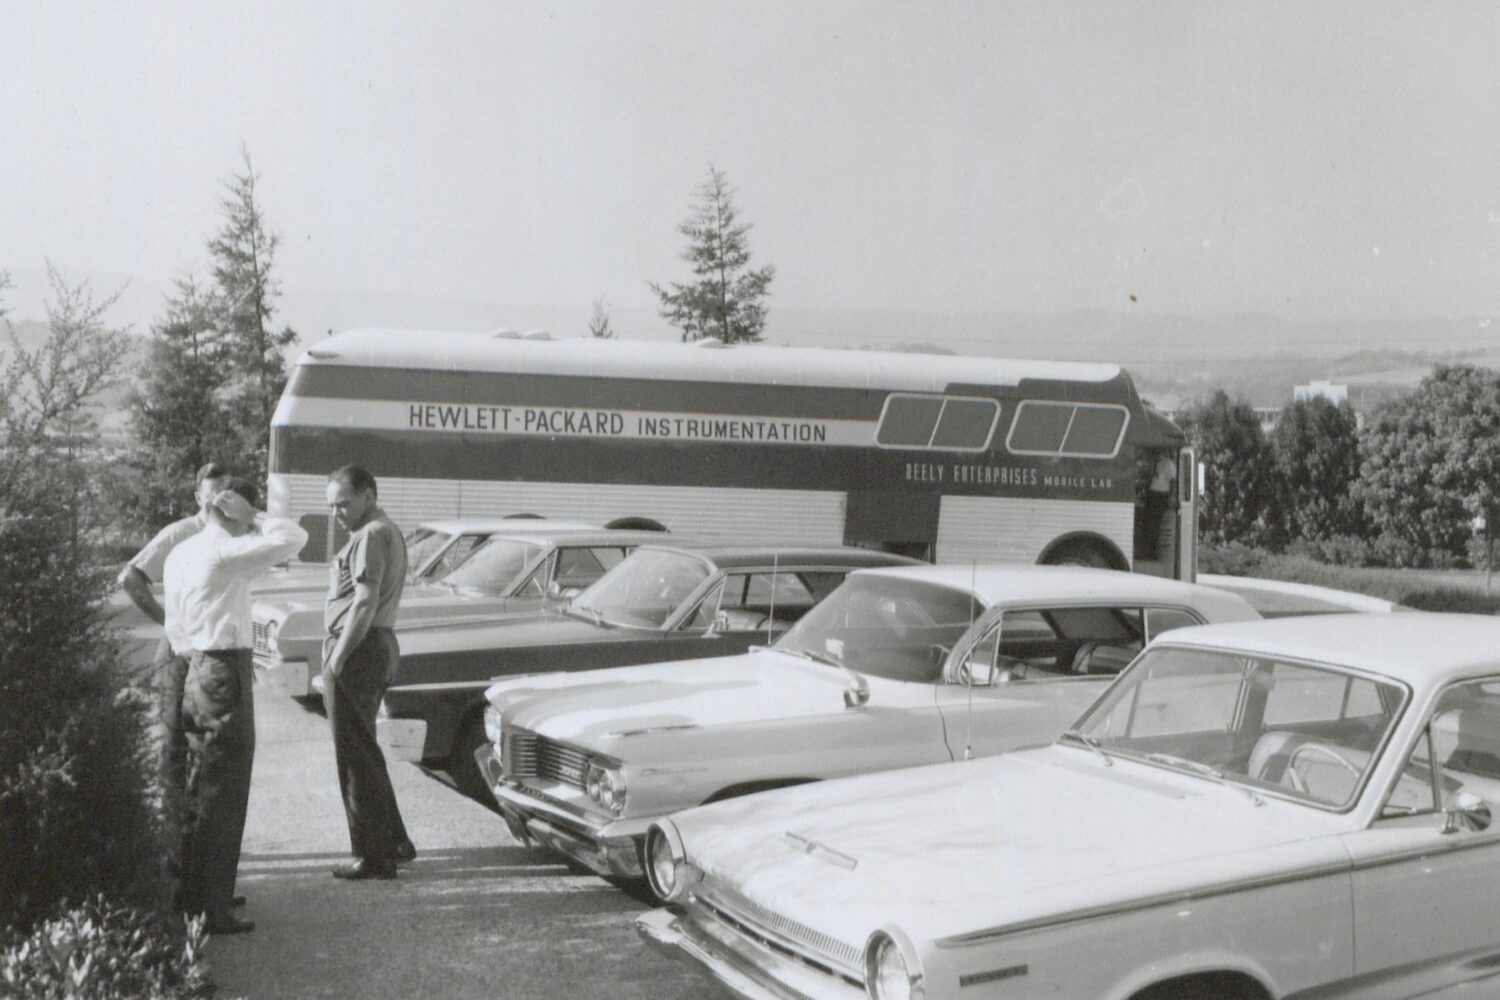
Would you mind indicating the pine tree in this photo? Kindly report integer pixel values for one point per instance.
(599, 324)
(726, 299)
(179, 418)
(244, 253)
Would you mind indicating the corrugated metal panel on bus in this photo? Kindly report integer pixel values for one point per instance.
(487, 567)
(878, 676)
(667, 601)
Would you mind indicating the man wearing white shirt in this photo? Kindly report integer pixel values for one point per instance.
(207, 598)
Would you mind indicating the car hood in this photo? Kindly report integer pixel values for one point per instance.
(602, 709)
(966, 847)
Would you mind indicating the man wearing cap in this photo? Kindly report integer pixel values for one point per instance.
(360, 657)
(169, 669)
(207, 597)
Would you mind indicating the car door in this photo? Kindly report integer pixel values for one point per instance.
(1427, 871)
(1031, 671)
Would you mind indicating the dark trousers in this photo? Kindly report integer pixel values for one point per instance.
(352, 699)
(218, 718)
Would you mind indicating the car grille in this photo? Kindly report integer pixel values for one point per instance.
(782, 933)
(260, 638)
(527, 755)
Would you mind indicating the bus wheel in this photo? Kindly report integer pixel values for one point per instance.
(635, 524)
(1081, 553)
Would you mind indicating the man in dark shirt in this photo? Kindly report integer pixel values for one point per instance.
(360, 657)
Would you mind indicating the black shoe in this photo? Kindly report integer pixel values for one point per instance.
(405, 854)
(228, 923)
(235, 902)
(366, 868)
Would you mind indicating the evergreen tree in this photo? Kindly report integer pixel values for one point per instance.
(244, 253)
(179, 419)
(1315, 448)
(1238, 473)
(725, 300)
(599, 325)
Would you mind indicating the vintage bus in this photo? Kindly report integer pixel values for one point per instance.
(955, 459)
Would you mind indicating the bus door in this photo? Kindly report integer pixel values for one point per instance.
(1185, 541)
(889, 521)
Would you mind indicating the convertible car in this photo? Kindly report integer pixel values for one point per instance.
(898, 667)
(1252, 811)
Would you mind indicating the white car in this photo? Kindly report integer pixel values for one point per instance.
(1250, 811)
(899, 666)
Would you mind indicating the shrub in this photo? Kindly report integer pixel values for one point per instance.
(98, 951)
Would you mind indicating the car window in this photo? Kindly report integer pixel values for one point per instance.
(1058, 642)
(577, 568)
(1463, 737)
(645, 589)
(496, 566)
(1159, 620)
(752, 601)
(453, 556)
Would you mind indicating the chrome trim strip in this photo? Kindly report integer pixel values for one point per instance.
(1426, 851)
(809, 944)
(1144, 903)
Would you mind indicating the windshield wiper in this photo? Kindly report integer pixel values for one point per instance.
(1090, 742)
(1213, 774)
(827, 661)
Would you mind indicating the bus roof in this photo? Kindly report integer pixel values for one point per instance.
(746, 363)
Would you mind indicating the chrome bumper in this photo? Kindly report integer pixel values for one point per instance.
(294, 677)
(613, 853)
(740, 966)
(404, 738)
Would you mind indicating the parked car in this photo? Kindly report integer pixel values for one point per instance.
(664, 602)
(878, 676)
(1251, 810)
(488, 569)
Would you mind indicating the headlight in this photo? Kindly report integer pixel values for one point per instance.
(892, 969)
(667, 867)
(605, 786)
(492, 724)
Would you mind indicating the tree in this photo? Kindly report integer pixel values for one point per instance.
(75, 813)
(179, 419)
(244, 253)
(1431, 461)
(1315, 452)
(599, 326)
(1238, 475)
(725, 300)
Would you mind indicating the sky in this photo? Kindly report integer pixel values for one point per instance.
(1303, 160)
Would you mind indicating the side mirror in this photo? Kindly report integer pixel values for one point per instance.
(979, 674)
(721, 623)
(1468, 812)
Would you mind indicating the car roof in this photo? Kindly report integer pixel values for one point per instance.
(1410, 646)
(506, 525)
(1000, 583)
(732, 555)
(584, 536)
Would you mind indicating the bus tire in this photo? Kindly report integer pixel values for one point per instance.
(1083, 552)
(634, 523)
(525, 516)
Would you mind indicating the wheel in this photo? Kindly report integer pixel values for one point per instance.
(635, 524)
(1081, 553)
(462, 766)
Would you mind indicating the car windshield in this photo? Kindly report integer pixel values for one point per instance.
(1306, 731)
(421, 545)
(643, 590)
(495, 566)
(885, 626)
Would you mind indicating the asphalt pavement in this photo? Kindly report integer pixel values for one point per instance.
(476, 915)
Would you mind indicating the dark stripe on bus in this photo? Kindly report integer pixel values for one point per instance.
(662, 395)
(634, 461)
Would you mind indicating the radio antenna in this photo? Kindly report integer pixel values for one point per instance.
(771, 616)
(969, 712)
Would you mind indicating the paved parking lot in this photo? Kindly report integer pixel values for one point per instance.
(476, 915)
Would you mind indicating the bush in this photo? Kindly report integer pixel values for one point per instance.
(1396, 585)
(79, 801)
(99, 951)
